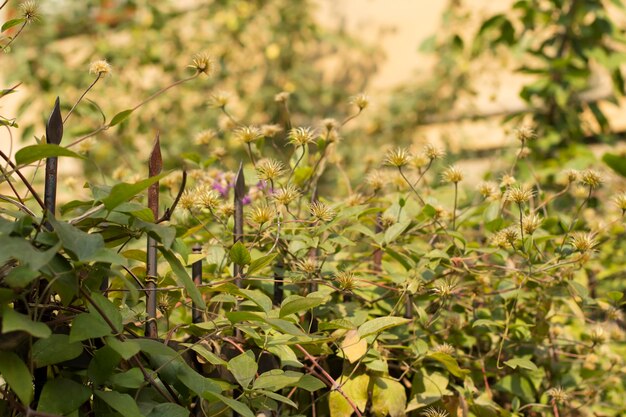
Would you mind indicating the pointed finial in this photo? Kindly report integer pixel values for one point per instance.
(155, 165)
(240, 184)
(54, 127)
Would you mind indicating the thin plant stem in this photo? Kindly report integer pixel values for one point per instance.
(81, 97)
(16, 35)
(456, 193)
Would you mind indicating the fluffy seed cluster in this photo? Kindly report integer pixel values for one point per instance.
(435, 412)
(281, 97)
(360, 100)
(209, 199)
(203, 63)
(531, 223)
(506, 237)
(398, 157)
(558, 395)
(219, 99)
(583, 242)
(444, 288)
(525, 134)
(269, 131)
(444, 348)
(571, 175)
(519, 194)
(248, 134)
(101, 68)
(301, 136)
(488, 189)
(30, 11)
(432, 152)
(205, 137)
(261, 214)
(376, 180)
(269, 169)
(321, 212)
(308, 266)
(620, 201)
(286, 195)
(591, 178)
(330, 124)
(345, 280)
(452, 175)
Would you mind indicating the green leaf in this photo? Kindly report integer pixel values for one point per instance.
(34, 153)
(123, 192)
(356, 388)
(395, 231)
(277, 379)
(133, 378)
(81, 245)
(88, 326)
(522, 363)
(300, 304)
(14, 321)
(126, 349)
(310, 383)
(277, 397)
(122, 403)
(239, 407)
(243, 367)
(239, 254)
(449, 362)
(108, 309)
(55, 349)
(388, 398)
(17, 376)
(260, 263)
(169, 410)
(379, 324)
(120, 117)
(517, 385)
(10, 23)
(183, 278)
(616, 162)
(62, 396)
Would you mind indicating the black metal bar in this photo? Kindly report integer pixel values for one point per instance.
(54, 134)
(196, 274)
(155, 165)
(279, 281)
(240, 192)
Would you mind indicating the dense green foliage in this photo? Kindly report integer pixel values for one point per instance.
(392, 287)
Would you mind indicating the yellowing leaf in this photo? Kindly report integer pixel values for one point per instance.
(356, 389)
(353, 346)
(388, 398)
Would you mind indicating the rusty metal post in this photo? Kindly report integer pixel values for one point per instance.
(240, 192)
(155, 165)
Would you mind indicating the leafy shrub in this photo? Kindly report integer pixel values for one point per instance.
(272, 290)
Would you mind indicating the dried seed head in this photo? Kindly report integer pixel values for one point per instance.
(398, 157)
(286, 195)
(187, 200)
(506, 237)
(435, 412)
(488, 189)
(523, 153)
(203, 63)
(444, 288)
(530, 223)
(219, 99)
(269, 169)
(209, 199)
(248, 134)
(308, 266)
(420, 160)
(345, 280)
(583, 242)
(444, 348)
(525, 134)
(30, 11)
(360, 100)
(507, 180)
(571, 175)
(355, 199)
(558, 395)
(591, 178)
(620, 201)
(261, 214)
(519, 194)
(205, 137)
(330, 124)
(452, 175)
(597, 335)
(301, 136)
(376, 179)
(321, 212)
(282, 97)
(226, 209)
(387, 220)
(101, 68)
(432, 152)
(269, 131)
(219, 152)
